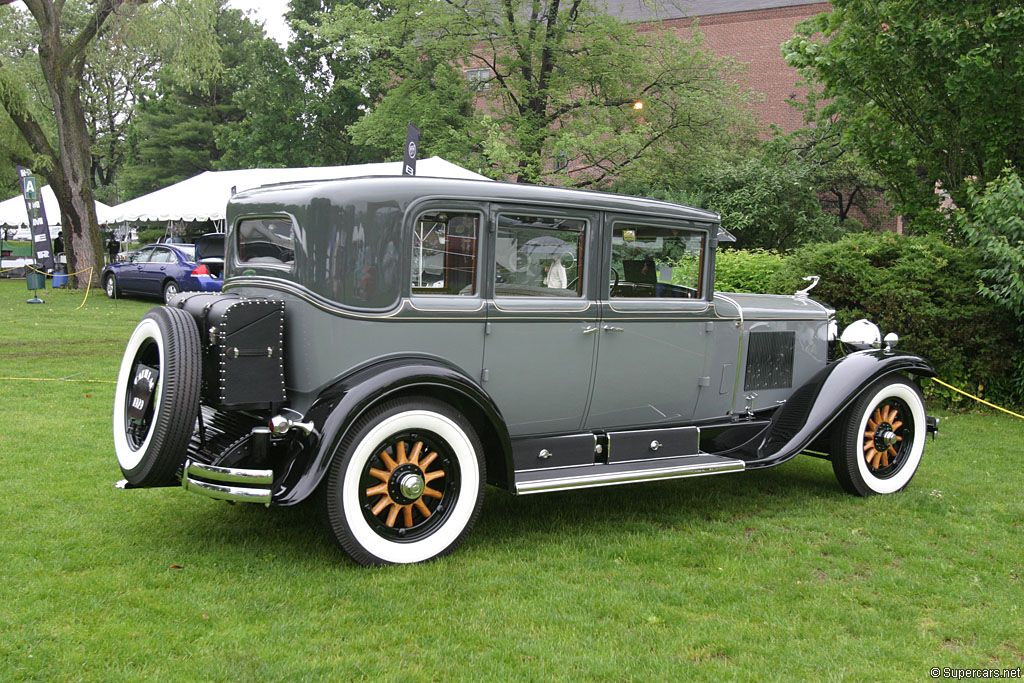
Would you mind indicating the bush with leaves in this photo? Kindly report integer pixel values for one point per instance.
(924, 290)
(993, 221)
(741, 270)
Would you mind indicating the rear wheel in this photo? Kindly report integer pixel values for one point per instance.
(406, 485)
(878, 442)
(171, 290)
(157, 397)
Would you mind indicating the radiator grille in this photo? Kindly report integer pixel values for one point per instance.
(769, 361)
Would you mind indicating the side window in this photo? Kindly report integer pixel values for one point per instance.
(160, 256)
(268, 241)
(142, 255)
(656, 261)
(539, 256)
(444, 253)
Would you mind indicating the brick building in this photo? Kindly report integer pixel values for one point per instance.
(751, 31)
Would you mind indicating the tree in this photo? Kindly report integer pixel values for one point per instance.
(557, 101)
(931, 93)
(66, 33)
(184, 127)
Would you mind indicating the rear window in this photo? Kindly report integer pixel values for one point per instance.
(266, 241)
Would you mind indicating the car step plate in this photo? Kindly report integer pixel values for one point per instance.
(603, 474)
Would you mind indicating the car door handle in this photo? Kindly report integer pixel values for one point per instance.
(591, 329)
(612, 328)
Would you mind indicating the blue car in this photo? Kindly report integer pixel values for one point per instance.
(163, 270)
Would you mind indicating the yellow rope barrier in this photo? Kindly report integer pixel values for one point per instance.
(88, 287)
(56, 379)
(979, 400)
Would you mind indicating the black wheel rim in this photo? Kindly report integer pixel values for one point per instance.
(888, 437)
(137, 430)
(388, 507)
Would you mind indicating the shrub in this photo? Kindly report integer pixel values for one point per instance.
(924, 290)
(738, 270)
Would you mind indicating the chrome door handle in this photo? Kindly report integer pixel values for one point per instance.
(612, 328)
(590, 330)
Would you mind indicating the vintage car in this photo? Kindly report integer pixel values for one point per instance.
(389, 345)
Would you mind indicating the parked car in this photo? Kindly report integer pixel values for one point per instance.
(389, 345)
(164, 270)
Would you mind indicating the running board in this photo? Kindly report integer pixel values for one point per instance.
(603, 474)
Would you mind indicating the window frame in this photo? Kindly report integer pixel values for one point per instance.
(590, 220)
(478, 256)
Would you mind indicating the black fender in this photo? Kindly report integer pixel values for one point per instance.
(345, 400)
(813, 406)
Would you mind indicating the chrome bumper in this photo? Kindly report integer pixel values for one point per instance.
(226, 483)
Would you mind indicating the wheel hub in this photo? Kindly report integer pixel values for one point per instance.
(881, 440)
(406, 484)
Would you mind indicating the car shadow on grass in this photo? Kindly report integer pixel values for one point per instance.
(297, 531)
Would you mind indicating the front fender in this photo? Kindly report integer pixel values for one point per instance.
(343, 402)
(813, 406)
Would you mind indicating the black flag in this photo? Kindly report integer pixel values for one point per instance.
(31, 189)
(412, 150)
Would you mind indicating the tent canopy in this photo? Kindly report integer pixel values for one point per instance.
(205, 196)
(13, 215)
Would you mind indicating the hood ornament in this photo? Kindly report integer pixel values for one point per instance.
(802, 293)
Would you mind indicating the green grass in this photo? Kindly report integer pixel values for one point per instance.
(767, 575)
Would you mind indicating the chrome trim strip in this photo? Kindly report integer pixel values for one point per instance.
(594, 480)
(229, 474)
(220, 492)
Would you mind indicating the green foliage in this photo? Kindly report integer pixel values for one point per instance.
(994, 223)
(741, 270)
(930, 92)
(767, 200)
(921, 288)
(175, 134)
(563, 81)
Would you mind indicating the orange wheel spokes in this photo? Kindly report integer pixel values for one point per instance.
(414, 456)
(427, 460)
(384, 501)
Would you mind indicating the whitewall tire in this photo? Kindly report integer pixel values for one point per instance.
(406, 484)
(160, 376)
(878, 442)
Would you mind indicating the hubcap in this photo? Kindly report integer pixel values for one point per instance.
(411, 486)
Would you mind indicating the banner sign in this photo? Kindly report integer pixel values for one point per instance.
(412, 149)
(31, 189)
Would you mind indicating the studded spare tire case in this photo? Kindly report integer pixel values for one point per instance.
(242, 340)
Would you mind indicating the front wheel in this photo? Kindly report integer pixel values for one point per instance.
(878, 442)
(110, 286)
(406, 484)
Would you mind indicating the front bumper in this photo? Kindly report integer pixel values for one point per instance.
(228, 483)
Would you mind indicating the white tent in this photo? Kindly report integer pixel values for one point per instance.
(12, 211)
(205, 196)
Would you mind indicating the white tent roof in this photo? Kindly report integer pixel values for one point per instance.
(205, 196)
(12, 211)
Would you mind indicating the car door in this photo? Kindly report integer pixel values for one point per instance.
(129, 277)
(653, 333)
(154, 271)
(541, 325)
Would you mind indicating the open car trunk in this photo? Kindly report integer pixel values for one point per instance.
(210, 252)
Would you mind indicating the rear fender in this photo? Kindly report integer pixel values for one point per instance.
(342, 403)
(813, 406)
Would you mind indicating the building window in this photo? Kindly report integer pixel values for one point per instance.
(480, 77)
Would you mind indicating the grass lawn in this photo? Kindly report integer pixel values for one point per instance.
(773, 574)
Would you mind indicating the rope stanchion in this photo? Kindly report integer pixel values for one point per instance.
(979, 400)
(90, 270)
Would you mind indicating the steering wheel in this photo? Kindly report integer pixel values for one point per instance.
(615, 286)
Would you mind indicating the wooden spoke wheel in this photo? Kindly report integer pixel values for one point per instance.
(409, 486)
(406, 483)
(877, 442)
